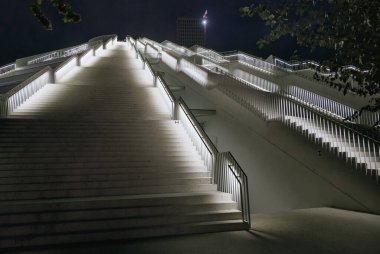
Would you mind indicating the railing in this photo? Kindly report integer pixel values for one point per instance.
(204, 146)
(319, 118)
(177, 48)
(170, 60)
(10, 100)
(20, 93)
(208, 53)
(86, 56)
(260, 102)
(98, 49)
(230, 178)
(323, 104)
(65, 67)
(194, 72)
(60, 54)
(250, 61)
(158, 81)
(318, 102)
(225, 171)
(7, 68)
(358, 148)
(294, 66)
(256, 81)
(67, 52)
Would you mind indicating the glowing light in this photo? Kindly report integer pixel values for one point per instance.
(204, 22)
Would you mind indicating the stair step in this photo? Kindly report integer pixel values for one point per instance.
(105, 158)
(122, 234)
(40, 218)
(65, 193)
(10, 208)
(95, 169)
(101, 184)
(85, 177)
(116, 223)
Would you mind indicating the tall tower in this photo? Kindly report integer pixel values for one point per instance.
(190, 31)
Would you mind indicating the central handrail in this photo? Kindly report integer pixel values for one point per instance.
(224, 169)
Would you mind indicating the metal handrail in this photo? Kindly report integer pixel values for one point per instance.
(201, 133)
(240, 175)
(215, 162)
(326, 105)
(224, 168)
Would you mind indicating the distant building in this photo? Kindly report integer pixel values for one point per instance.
(190, 31)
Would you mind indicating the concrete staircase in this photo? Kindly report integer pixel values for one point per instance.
(345, 146)
(95, 157)
(262, 104)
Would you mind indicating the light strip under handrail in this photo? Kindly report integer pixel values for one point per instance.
(225, 171)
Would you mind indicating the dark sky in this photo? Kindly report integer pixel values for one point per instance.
(21, 35)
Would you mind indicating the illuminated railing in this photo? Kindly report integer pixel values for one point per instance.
(65, 67)
(294, 66)
(323, 104)
(158, 82)
(60, 54)
(67, 52)
(139, 44)
(210, 54)
(319, 118)
(170, 60)
(226, 172)
(230, 178)
(306, 70)
(195, 72)
(98, 49)
(7, 68)
(250, 61)
(152, 51)
(359, 148)
(154, 44)
(86, 56)
(257, 100)
(20, 93)
(12, 99)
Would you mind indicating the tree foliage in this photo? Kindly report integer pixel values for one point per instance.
(62, 6)
(351, 28)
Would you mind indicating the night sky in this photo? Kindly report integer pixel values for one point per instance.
(21, 34)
